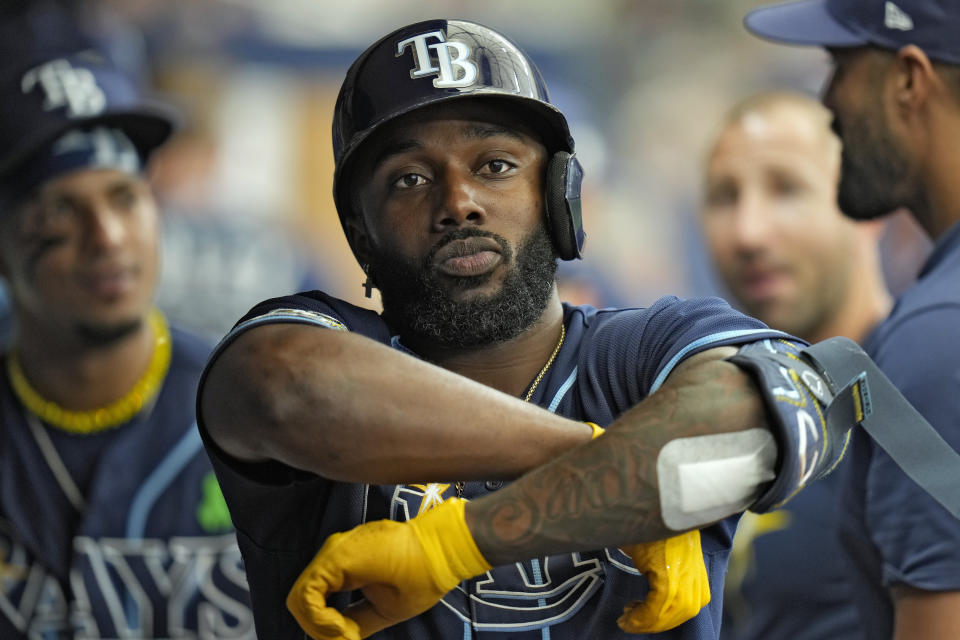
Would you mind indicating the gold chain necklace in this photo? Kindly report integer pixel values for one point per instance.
(546, 367)
(460, 485)
(114, 414)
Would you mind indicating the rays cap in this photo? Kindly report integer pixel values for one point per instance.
(45, 98)
(932, 25)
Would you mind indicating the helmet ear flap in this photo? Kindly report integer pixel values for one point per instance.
(562, 204)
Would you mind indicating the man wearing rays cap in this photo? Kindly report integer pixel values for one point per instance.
(111, 521)
(895, 98)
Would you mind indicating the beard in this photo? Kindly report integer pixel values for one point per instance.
(103, 334)
(418, 303)
(875, 174)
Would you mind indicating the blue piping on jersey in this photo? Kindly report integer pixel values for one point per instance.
(538, 581)
(399, 346)
(160, 479)
(552, 407)
(178, 457)
(537, 577)
(716, 337)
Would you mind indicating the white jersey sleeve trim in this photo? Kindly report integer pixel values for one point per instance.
(292, 316)
(277, 316)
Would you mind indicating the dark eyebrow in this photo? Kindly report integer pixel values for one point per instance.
(485, 130)
(475, 131)
(393, 148)
(390, 149)
(124, 183)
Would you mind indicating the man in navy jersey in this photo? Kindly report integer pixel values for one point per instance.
(112, 524)
(895, 97)
(791, 259)
(458, 189)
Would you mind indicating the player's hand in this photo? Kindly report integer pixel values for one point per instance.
(679, 586)
(402, 568)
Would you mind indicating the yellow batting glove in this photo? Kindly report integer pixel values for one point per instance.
(402, 569)
(597, 429)
(679, 586)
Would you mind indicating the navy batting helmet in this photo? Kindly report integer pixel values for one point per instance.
(439, 60)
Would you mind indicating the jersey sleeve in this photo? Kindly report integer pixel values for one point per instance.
(918, 539)
(313, 308)
(252, 489)
(637, 349)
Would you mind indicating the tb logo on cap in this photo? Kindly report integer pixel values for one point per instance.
(452, 70)
(67, 86)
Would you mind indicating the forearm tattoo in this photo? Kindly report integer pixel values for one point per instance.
(605, 493)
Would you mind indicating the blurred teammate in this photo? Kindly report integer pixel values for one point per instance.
(458, 190)
(773, 227)
(112, 524)
(790, 258)
(895, 97)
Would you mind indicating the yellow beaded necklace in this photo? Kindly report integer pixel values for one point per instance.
(114, 414)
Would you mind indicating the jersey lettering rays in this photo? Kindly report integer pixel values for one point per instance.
(151, 588)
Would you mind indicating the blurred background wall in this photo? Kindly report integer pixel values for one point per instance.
(246, 185)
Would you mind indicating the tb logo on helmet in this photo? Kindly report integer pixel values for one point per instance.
(66, 86)
(449, 67)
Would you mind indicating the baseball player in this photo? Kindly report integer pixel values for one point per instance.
(895, 98)
(112, 524)
(791, 259)
(458, 189)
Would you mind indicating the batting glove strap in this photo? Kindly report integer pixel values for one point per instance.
(810, 414)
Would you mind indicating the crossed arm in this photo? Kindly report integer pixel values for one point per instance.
(350, 409)
(409, 421)
(606, 493)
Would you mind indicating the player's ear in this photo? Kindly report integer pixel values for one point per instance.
(914, 78)
(358, 238)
